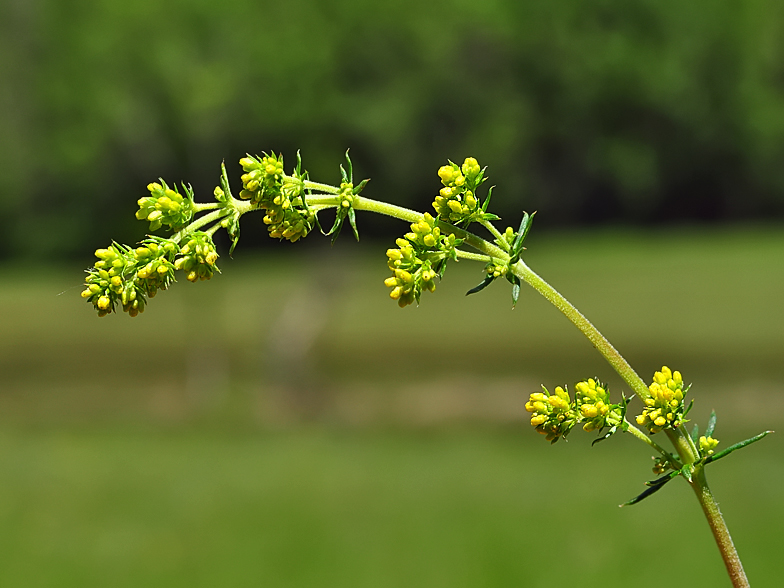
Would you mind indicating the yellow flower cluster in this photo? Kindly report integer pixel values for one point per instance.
(197, 258)
(263, 184)
(262, 178)
(411, 274)
(553, 415)
(593, 402)
(413, 261)
(457, 201)
(346, 195)
(707, 445)
(497, 268)
(129, 276)
(157, 270)
(664, 408)
(165, 206)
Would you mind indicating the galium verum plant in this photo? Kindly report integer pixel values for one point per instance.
(127, 277)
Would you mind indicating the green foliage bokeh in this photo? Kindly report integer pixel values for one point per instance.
(625, 110)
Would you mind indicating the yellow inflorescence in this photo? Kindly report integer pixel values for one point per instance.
(707, 445)
(164, 206)
(553, 414)
(456, 201)
(593, 400)
(412, 272)
(664, 408)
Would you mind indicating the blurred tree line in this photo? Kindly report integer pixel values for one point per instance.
(607, 111)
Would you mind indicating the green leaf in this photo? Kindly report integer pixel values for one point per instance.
(348, 177)
(359, 187)
(731, 448)
(352, 219)
(654, 486)
(695, 432)
(338, 226)
(225, 182)
(606, 436)
(515, 288)
(440, 268)
(688, 408)
(485, 283)
(522, 232)
(711, 424)
(487, 200)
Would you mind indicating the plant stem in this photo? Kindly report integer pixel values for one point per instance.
(648, 441)
(719, 529)
(472, 256)
(498, 236)
(362, 203)
(200, 222)
(603, 346)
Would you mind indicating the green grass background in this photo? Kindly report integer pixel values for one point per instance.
(287, 425)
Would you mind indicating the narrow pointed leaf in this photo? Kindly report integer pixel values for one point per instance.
(695, 432)
(485, 283)
(337, 225)
(440, 268)
(487, 200)
(299, 164)
(352, 219)
(606, 436)
(521, 232)
(515, 290)
(688, 408)
(358, 188)
(711, 424)
(731, 448)
(225, 181)
(350, 177)
(654, 486)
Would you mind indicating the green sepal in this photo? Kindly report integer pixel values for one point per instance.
(489, 216)
(731, 448)
(359, 187)
(485, 283)
(711, 424)
(695, 432)
(653, 487)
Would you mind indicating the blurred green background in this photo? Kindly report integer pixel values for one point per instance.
(286, 424)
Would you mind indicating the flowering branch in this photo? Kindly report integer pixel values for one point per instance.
(127, 277)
